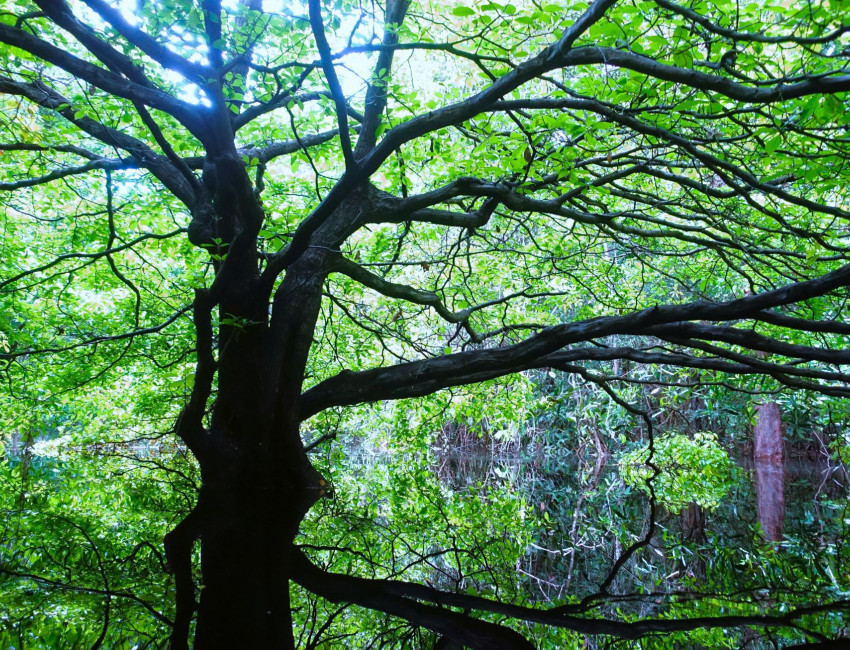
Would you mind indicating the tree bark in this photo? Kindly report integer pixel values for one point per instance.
(767, 434)
(769, 460)
(244, 597)
(257, 482)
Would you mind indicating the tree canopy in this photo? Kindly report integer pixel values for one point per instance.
(230, 229)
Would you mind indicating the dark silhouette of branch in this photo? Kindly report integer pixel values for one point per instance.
(424, 377)
(375, 592)
(471, 632)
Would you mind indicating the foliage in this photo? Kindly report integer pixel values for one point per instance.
(690, 470)
(249, 248)
(81, 552)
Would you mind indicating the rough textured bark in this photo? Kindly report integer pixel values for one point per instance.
(767, 433)
(769, 460)
(770, 497)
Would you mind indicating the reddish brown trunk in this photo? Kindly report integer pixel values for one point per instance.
(770, 498)
(693, 523)
(768, 456)
(767, 435)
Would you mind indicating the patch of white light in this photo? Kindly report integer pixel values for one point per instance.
(355, 68)
(129, 10)
(187, 91)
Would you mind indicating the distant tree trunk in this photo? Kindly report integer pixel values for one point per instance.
(770, 498)
(767, 435)
(14, 444)
(768, 457)
(693, 530)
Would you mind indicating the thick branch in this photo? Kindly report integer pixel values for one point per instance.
(424, 377)
(324, 48)
(61, 14)
(271, 151)
(749, 339)
(374, 592)
(400, 291)
(774, 92)
(155, 50)
(190, 427)
(471, 632)
(178, 552)
(159, 166)
(791, 322)
(754, 37)
(376, 95)
(103, 79)
(386, 208)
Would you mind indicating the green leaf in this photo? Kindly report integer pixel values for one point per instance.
(771, 144)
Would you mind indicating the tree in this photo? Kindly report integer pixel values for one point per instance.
(373, 203)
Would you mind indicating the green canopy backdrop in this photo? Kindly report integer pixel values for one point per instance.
(234, 233)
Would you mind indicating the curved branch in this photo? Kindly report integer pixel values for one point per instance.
(61, 14)
(400, 291)
(727, 362)
(178, 553)
(155, 50)
(748, 339)
(376, 95)
(7, 356)
(802, 324)
(270, 151)
(55, 584)
(65, 148)
(471, 632)
(386, 208)
(735, 35)
(41, 94)
(98, 77)
(88, 256)
(786, 374)
(104, 163)
(419, 378)
(190, 427)
(315, 8)
(375, 592)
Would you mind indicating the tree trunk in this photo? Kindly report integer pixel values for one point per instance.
(767, 434)
(768, 457)
(770, 497)
(244, 601)
(248, 512)
(257, 482)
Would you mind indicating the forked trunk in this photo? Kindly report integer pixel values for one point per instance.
(257, 481)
